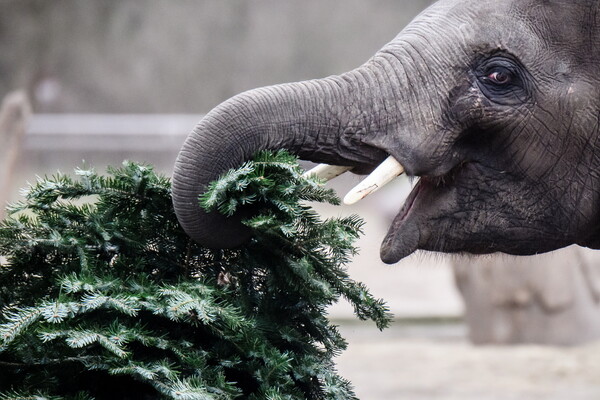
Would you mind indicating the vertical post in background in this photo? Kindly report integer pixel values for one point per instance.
(15, 114)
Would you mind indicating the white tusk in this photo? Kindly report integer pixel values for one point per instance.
(327, 172)
(386, 172)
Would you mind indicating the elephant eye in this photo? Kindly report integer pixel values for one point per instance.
(503, 79)
(500, 76)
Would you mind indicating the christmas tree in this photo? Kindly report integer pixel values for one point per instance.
(103, 296)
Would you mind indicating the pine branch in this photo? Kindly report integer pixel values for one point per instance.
(100, 281)
(18, 321)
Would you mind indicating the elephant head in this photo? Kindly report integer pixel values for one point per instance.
(495, 105)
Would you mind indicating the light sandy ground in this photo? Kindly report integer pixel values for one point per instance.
(436, 362)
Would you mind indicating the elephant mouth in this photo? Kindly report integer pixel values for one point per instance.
(404, 235)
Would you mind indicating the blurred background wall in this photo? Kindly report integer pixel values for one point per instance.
(182, 56)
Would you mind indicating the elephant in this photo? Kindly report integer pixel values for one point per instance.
(493, 105)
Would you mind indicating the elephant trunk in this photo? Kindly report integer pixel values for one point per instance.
(325, 120)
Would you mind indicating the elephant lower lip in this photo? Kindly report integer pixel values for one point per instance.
(404, 235)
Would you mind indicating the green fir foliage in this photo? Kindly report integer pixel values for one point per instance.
(103, 296)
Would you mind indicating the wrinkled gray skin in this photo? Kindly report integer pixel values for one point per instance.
(494, 104)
